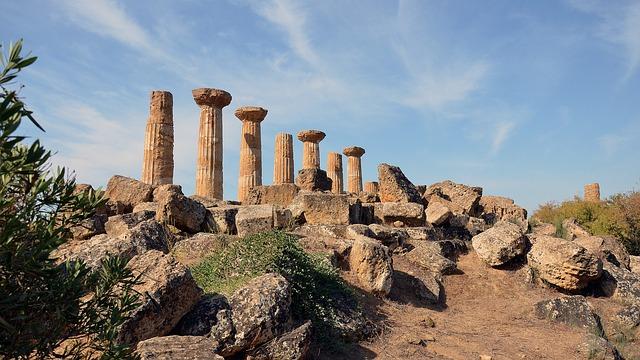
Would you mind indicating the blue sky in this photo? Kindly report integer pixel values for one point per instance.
(529, 100)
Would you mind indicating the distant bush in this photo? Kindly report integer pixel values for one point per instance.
(618, 216)
(318, 292)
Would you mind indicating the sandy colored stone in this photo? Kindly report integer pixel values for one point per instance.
(496, 208)
(592, 192)
(371, 187)
(354, 168)
(313, 180)
(371, 262)
(607, 248)
(177, 348)
(323, 208)
(410, 214)
(437, 212)
(499, 245)
(563, 263)
(157, 165)
(334, 172)
(283, 159)
(395, 187)
(209, 174)
(311, 148)
(250, 149)
(128, 192)
(573, 230)
(253, 219)
(465, 197)
(282, 194)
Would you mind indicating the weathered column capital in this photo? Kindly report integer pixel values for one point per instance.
(211, 97)
(314, 136)
(251, 113)
(355, 151)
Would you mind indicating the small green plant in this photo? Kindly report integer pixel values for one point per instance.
(318, 292)
(49, 310)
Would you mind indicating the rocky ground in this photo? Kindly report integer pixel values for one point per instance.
(441, 272)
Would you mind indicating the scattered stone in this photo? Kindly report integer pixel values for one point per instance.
(428, 288)
(260, 312)
(628, 317)
(202, 317)
(120, 225)
(146, 206)
(222, 220)
(313, 180)
(323, 208)
(356, 230)
(475, 226)
(371, 262)
(607, 248)
(564, 263)
(128, 192)
(167, 292)
(282, 195)
(573, 230)
(335, 231)
(336, 249)
(634, 264)
(410, 214)
(499, 245)
(395, 187)
(89, 227)
(496, 208)
(253, 219)
(177, 348)
(438, 212)
(428, 256)
(597, 347)
(282, 218)
(465, 197)
(428, 322)
(190, 251)
(293, 345)
(390, 237)
(570, 310)
(544, 229)
(459, 220)
(621, 284)
(178, 210)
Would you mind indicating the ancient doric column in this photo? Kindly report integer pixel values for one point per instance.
(592, 192)
(209, 165)
(311, 151)
(283, 159)
(157, 166)
(250, 149)
(334, 172)
(354, 168)
(371, 187)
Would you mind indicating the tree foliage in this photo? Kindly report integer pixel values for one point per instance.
(48, 309)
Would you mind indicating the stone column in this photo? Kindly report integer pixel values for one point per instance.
(334, 172)
(157, 165)
(311, 151)
(592, 192)
(371, 187)
(283, 159)
(209, 163)
(354, 169)
(250, 149)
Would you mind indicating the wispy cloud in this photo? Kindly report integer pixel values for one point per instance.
(501, 134)
(619, 25)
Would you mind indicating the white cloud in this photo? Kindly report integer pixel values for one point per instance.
(501, 134)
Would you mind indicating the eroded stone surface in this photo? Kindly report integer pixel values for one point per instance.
(499, 245)
(157, 166)
(128, 192)
(371, 262)
(570, 310)
(395, 187)
(177, 348)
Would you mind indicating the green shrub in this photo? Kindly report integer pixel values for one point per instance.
(618, 216)
(42, 304)
(318, 292)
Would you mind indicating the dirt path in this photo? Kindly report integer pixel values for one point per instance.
(487, 312)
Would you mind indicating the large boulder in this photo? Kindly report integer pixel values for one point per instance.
(410, 214)
(563, 263)
(371, 263)
(167, 292)
(293, 345)
(202, 317)
(573, 230)
(437, 212)
(390, 237)
(465, 197)
(429, 256)
(222, 220)
(260, 312)
(313, 180)
(607, 248)
(495, 208)
(178, 210)
(322, 208)
(253, 219)
(148, 235)
(621, 284)
(177, 348)
(127, 192)
(570, 310)
(499, 245)
(395, 187)
(120, 225)
(281, 194)
(89, 227)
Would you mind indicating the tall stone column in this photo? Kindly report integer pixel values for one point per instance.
(250, 149)
(592, 192)
(334, 172)
(354, 168)
(157, 164)
(283, 159)
(209, 163)
(311, 150)
(371, 187)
